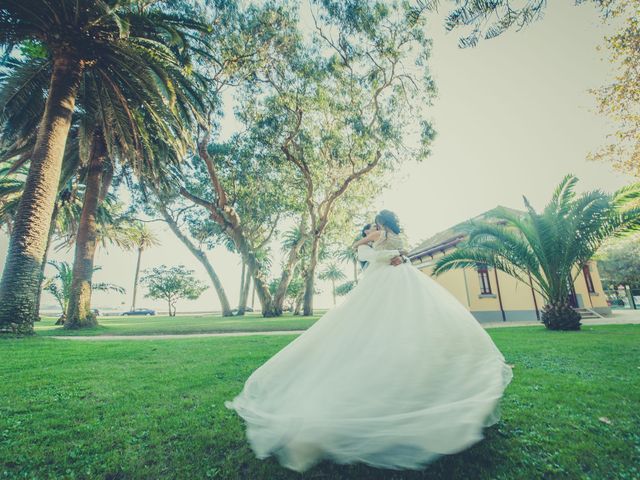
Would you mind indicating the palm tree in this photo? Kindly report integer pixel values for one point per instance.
(349, 255)
(143, 45)
(142, 238)
(67, 212)
(333, 273)
(548, 250)
(294, 243)
(60, 286)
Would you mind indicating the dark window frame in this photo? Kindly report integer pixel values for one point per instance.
(485, 281)
(586, 271)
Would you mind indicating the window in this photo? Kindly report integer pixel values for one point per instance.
(485, 284)
(587, 277)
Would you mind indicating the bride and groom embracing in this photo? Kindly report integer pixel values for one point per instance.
(395, 376)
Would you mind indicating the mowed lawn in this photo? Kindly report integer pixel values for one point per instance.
(155, 409)
(163, 324)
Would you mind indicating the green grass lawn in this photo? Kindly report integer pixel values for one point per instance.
(179, 325)
(154, 409)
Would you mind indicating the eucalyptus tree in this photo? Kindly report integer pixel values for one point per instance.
(241, 185)
(246, 204)
(549, 249)
(199, 234)
(487, 20)
(144, 45)
(344, 104)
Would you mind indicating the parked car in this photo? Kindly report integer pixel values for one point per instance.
(139, 311)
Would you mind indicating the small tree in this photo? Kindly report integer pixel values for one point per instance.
(333, 273)
(60, 286)
(141, 238)
(171, 284)
(619, 262)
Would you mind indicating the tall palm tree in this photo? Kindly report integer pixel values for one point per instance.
(67, 211)
(549, 249)
(143, 45)
(142, 238)
(333, 273)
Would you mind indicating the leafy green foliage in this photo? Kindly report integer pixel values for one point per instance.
(60, 284)
(345, 288)
(172, 284)
(619, 262)
(620, 99)
(489, 19)
(551, 246)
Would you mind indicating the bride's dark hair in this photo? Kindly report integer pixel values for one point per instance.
(388, 219)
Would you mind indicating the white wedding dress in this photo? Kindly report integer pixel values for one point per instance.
(397, 375)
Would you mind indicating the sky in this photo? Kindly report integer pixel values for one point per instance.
(513, 116)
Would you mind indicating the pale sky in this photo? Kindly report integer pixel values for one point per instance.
(513, 116)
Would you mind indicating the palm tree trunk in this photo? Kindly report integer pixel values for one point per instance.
(202, 258)
(79, 312)
(307, 309)
(135, 280)
(52, 229)
(22, 272)
(333, 285)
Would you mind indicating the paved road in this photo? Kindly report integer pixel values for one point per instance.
(617, 318)
(176, 336)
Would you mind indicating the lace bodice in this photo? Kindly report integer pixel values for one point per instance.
(390, 241)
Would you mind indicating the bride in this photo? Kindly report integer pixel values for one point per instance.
(395, 376)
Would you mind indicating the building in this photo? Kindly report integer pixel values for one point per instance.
(492, 295)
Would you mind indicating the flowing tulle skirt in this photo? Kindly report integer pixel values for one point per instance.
(397, 375)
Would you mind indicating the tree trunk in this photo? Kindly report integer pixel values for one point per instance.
(202, 258)
(287, 274)
(253, 296)
(262, 290)
(79, 313)
(22, 271)
(310, 278)
(227, 217)
(135, 280)
(241, 300)
(52, 229)
(298, 305)
(260, 282)
(333, 286)
(244, 295)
